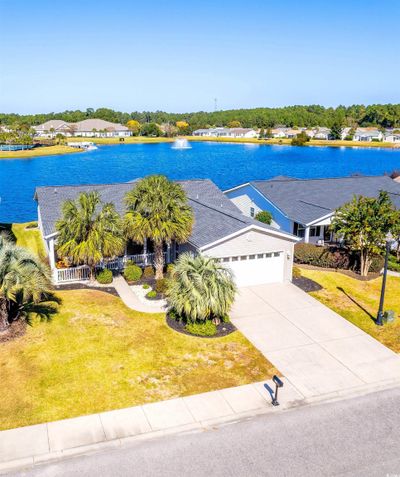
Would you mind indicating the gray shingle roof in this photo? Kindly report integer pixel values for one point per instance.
(215, 215)
(305, 201)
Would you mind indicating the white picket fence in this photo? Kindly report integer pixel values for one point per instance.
(82, 273)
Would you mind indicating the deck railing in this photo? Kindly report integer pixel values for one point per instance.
(82, 273)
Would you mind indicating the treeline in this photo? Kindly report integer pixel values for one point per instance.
(379, 115)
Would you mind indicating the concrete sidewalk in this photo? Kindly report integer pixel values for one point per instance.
(26, 446)
(130, 299)
(316, 349)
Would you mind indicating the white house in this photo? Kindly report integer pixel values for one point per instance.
(227, 132)
(368, 135)
(255, 252)
(85, 128)
(322, 134)
(392, 136)
(305, 207)
(244, 132)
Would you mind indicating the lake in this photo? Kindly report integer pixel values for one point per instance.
(225, 163)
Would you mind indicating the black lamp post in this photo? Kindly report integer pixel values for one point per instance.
(379, 318)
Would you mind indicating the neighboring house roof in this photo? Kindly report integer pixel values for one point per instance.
(216, 216)
(241, 130)
(306, 201)
(55, 124)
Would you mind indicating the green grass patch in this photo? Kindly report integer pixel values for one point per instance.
(38, 151)
(96, 355)
(358, 302)
(28, 235)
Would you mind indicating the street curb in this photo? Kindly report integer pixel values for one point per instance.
(201, 426)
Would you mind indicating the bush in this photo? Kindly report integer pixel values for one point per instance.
(170, 269)
(264, 216)
(300, 140)
(377, 264)
(161, 286)
(207, 328)
(322, 257)
(148, 272)
(151, 294)
(132, 272)
(146, 286)
(105, 276)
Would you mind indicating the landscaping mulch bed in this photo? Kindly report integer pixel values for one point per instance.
(82, 286)
(349, 273)
(15, 330)
(306, 284)
(223, 329)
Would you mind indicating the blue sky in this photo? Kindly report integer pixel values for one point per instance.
(180, 55)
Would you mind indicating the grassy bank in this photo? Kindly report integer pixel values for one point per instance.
(97, 355)
(38, 151)
(358, 302)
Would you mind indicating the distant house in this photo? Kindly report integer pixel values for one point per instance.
(392, 136)
(244, 132)
(279, 133)
(226, 132)
(51, 128)
(368, 135)
(291, 133)
(345, 133)
(322, 134)
(85, 128)
(305, 207)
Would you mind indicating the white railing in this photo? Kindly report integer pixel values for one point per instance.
(76, 274)
(72, 274)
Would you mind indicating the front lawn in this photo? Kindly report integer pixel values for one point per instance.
(358, 302)
(28, 235)
(98, 355)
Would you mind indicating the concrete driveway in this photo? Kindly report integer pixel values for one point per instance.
(316, 349)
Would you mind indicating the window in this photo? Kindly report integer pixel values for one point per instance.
(243, 257)
(315, 231)
(252, 212)
(252, 257)
(235, 259)
(298, 230)
(225, 259)
(277, 254)
(268, 255)
(260, 255)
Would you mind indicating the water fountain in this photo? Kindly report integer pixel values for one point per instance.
(181, 143)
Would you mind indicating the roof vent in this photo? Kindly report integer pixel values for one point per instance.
(222, 204)
(55, 190)
(197, 196)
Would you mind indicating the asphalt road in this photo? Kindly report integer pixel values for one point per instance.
(357, 437)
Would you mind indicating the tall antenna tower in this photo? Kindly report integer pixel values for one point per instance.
(215, 104)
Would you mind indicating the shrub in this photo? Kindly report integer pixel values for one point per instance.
(105, 276)
(377, 264)
(394, 265)
(161, 285)
(132, 272)
(151, 294)
(322, 257)
(148, 272)
(146, 286)
(207, 328)
(300, 140)
(264, 216)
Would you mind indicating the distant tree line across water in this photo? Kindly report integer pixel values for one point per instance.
(379, 115)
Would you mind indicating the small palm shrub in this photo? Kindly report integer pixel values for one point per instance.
(151, 294)
(146, 286)
(132, 272)
(161, 286)
(148, 272)
(200, 288)
(206, 328)
(105, 276)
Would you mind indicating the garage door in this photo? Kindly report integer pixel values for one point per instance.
(256, 269)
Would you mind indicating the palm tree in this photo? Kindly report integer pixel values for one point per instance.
(157, 209)
(200, 288)
(25, 285)
(89, 231)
